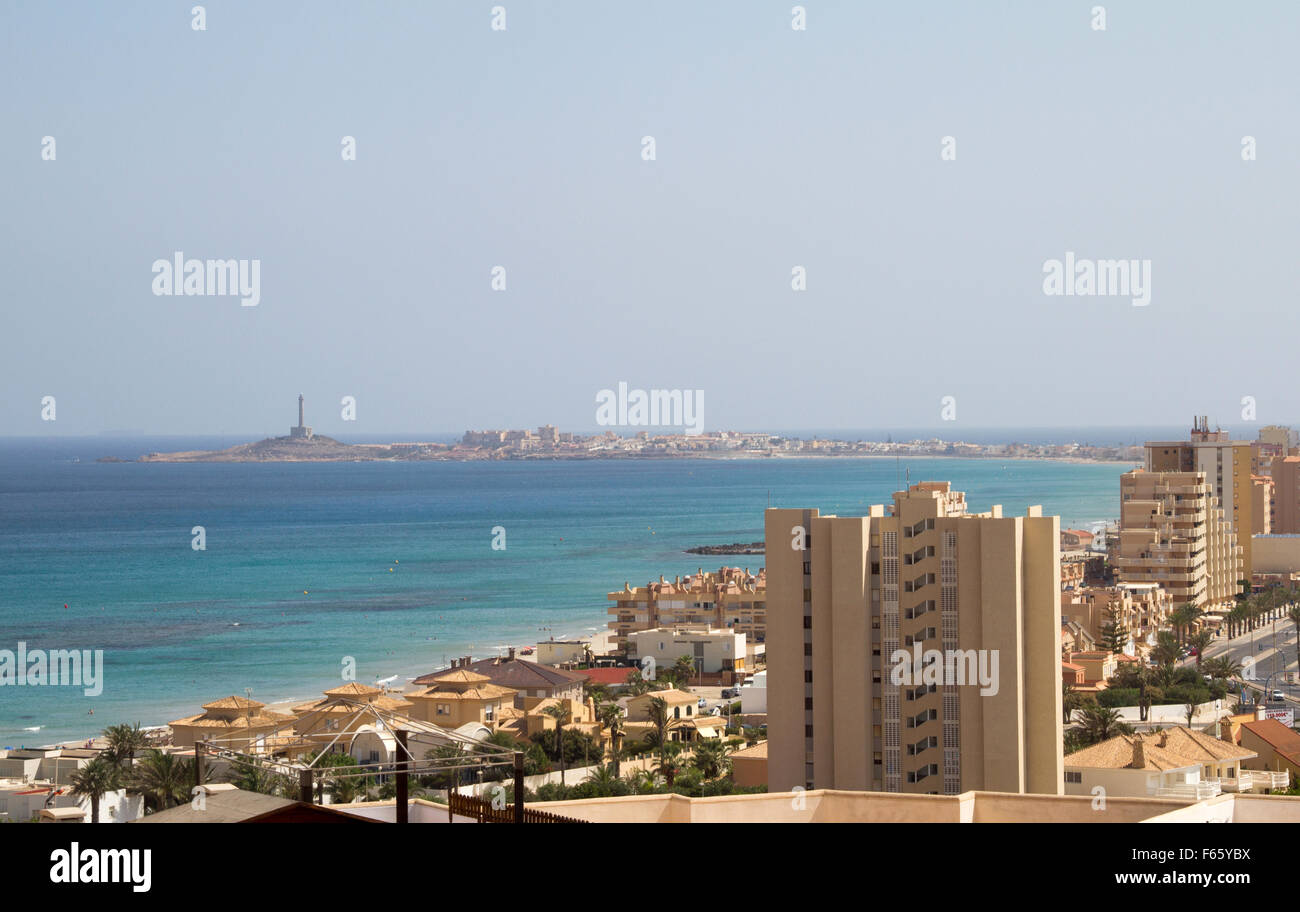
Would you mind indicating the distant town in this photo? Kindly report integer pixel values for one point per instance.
(301, 444)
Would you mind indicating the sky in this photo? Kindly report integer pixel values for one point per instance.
(774, 148)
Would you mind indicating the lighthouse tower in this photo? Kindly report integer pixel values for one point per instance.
(301, 430)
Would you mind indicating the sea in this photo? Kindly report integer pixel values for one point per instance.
(389, 569)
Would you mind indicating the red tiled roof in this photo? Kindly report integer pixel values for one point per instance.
(1277, 736)
(607, 675)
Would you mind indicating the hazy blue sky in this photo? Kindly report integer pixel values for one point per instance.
(522, 148)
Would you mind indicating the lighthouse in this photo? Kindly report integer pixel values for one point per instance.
(301, 430)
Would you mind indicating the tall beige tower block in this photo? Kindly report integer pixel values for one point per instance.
(846, 594)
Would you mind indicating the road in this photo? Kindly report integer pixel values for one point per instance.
(1273, 645)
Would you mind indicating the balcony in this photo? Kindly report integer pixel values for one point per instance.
(1267, 779)
(1191, 791)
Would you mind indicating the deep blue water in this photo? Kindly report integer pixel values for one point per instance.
(389, 563)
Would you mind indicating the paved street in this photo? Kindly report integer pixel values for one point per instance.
(1273, 645)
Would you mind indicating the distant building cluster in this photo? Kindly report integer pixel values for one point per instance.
(549, 442)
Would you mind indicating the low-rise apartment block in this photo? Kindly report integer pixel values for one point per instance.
(730, 598)
(714, 652)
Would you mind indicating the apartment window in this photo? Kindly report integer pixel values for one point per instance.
(807, 677)
(1076, 778)
(807, 622)
(807, 703)
(807, 731)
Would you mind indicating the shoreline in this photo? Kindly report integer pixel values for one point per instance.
(155, 459)
(599, 642)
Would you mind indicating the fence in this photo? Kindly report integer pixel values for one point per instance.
(484, 812)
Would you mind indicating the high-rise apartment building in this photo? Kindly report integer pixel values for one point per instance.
(1228, 466)
(847, 596)
(1174, 533)
(1286, 495)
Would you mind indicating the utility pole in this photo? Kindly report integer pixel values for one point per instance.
(519, 787)
(402, 809)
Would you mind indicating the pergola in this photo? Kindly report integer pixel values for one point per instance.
(280, 749)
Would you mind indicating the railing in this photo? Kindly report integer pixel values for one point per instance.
(1267, 779)
(482, 811)
(1195, 791)
(1240, 784)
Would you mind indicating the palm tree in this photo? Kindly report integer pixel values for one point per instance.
(251, 778)
(611, 716)
(1183, 618)
(683, 670)
(1236, 619)
(1166, 651)
(603, 778)
(1293, 614)
(636, 684)
(660, 719)
(1199, 641)
(123, 741)
(1100, 723)
(642, 781)
(599, 695)
(163, 779)
(669, 762)
(1071, 699)
(560, 713)
(94, 780)
(711, 758)
(1189, 713)
(1222, 668)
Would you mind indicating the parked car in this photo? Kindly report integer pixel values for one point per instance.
(1277, 697)
(729, 692)
(703, 703)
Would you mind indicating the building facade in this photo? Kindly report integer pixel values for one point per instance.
(729, 598)
(847, 597)
(1227, 465)
(1174, 534)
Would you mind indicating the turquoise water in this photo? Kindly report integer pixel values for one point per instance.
(395, 560)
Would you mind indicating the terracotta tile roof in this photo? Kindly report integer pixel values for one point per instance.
(482, 692)
(352, 689)
(607, 675)
(460, 676)
(1277, 736)
(672, 696)
(1181, 748)
(233, 702)
(516, 673)
(264, 719)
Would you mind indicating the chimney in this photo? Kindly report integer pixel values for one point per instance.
(1164, 738)
(510, 654)
(1260, 714)
(1139, 756)
(1225, 729)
